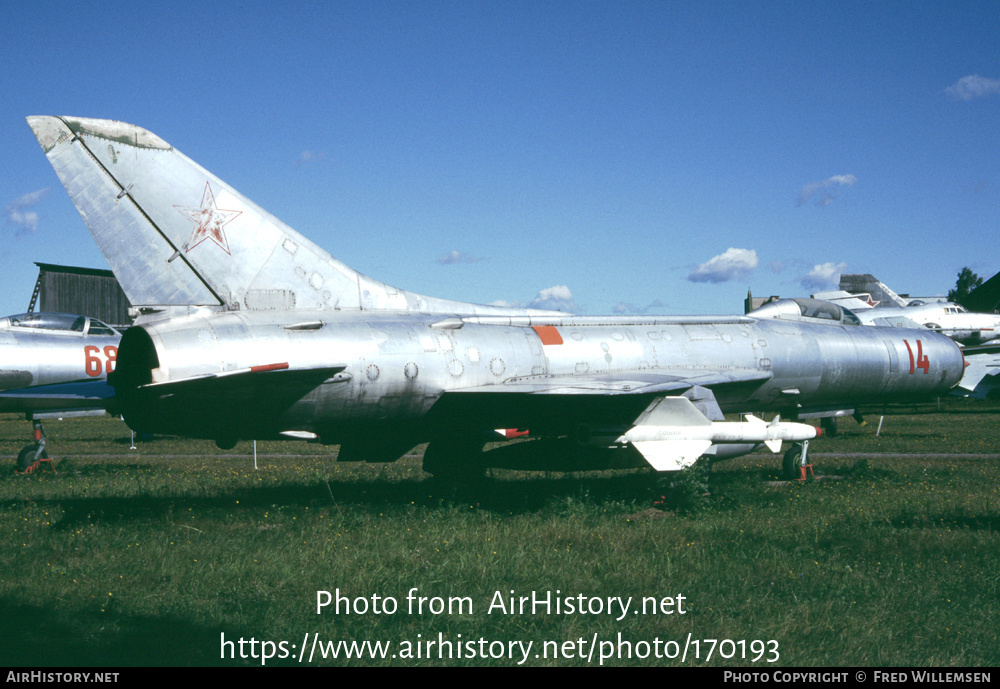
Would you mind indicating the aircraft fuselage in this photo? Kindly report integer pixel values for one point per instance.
(375, 372)
(39, 356)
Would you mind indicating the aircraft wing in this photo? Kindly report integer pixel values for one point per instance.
(871, 318)
(619, 383)
(561, 403)
(982, 371)
(77, 396)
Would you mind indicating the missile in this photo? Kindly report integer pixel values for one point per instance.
(753, 430)
(672, 434)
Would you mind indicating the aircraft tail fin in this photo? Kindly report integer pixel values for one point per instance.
(857, 283)
(985, 298)
(175, 234)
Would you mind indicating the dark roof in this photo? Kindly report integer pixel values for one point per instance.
(74, 270)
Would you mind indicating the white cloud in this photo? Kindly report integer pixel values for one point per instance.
(823, 276)
(19, 212)
(624, 307)
(827, 190)
(557, 298)
(308, 156)
(456, 256)
(503, 303)
(734, 264)
(973, 86)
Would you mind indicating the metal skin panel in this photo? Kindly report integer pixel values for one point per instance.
(264, 334)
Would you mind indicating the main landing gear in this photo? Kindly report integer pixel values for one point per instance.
(33, 457)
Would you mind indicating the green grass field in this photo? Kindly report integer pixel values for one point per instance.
(158, 555)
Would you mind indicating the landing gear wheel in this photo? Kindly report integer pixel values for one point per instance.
(26, 460)
(791, 464)
(829, 426)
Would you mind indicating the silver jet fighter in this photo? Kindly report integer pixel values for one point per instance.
(249, 330)
(950, 319)
(54, 365)
(947, 318)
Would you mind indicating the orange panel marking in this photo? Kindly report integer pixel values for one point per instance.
(269, 367)
(548, 334)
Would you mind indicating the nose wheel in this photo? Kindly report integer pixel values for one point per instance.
(33, 457)
(796, 466)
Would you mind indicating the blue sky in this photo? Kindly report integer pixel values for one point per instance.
(603, 157)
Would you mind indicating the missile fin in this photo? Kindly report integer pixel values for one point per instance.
(672, 411)
(672, 455)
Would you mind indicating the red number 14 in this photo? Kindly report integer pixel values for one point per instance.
(921, 361)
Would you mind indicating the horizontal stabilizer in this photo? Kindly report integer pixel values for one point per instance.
(83, 395)
(245, 375)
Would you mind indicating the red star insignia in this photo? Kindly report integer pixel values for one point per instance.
(208, 221)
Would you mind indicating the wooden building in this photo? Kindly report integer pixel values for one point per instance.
(84, 291)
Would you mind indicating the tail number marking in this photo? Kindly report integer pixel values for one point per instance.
(921, 360)
(96, 365)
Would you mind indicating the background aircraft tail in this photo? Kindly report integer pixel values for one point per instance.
(175, 234)
(865, 283)
(985, 298)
